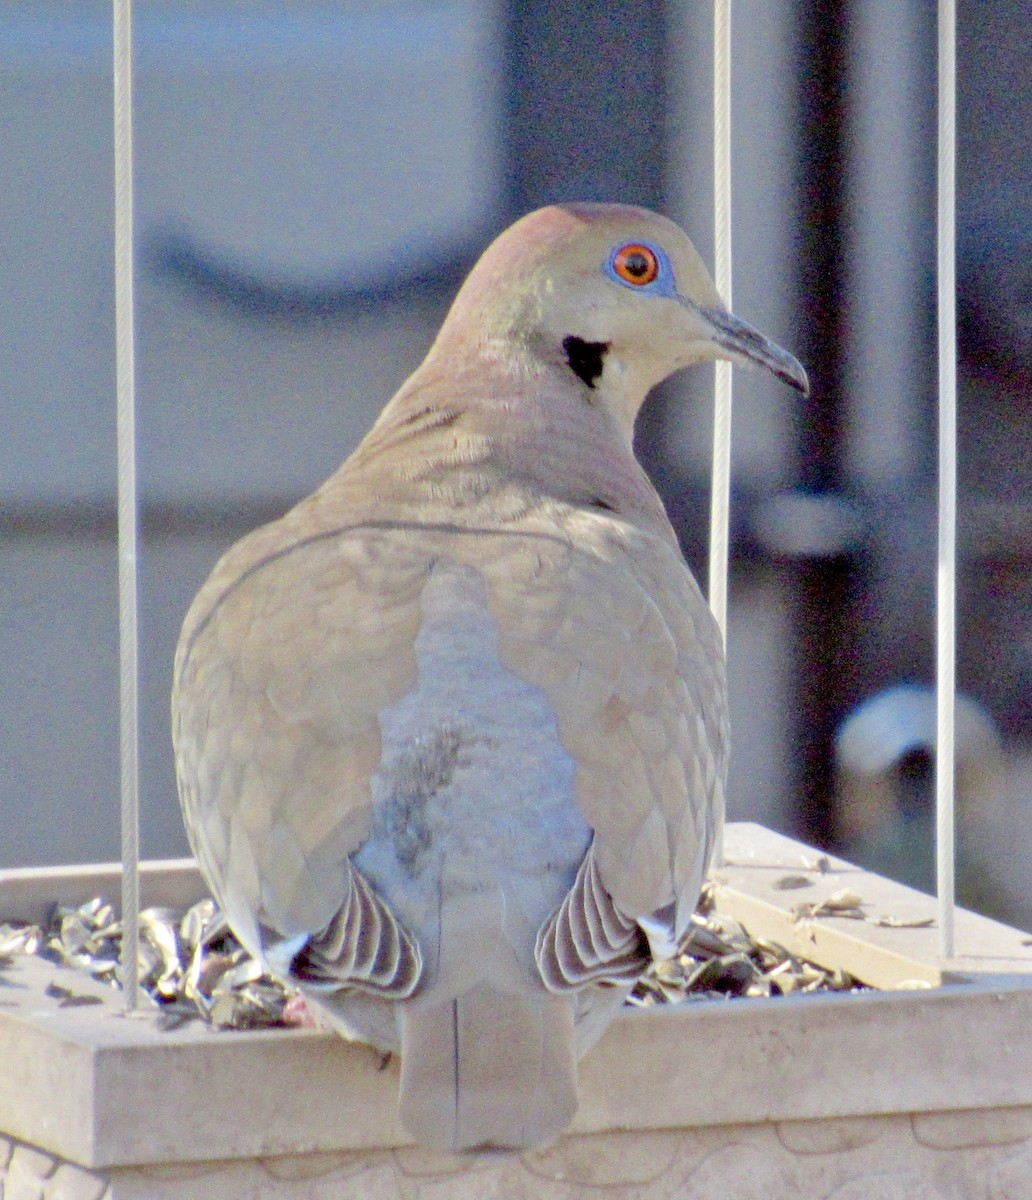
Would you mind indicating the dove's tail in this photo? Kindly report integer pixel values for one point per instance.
(488, 1069)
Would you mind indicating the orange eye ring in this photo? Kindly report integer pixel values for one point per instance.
(636, 264)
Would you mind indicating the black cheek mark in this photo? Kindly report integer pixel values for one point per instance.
(585, 358)
(604, 505)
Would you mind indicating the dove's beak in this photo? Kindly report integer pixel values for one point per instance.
(744, 343)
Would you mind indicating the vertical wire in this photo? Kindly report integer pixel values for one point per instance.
(720, 485)
(128, 535)
(946, 572)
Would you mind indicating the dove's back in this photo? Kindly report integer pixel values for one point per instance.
(458, 715)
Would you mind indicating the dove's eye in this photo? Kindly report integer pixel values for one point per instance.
(635, 264)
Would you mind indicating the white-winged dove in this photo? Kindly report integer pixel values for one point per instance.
(451, 733)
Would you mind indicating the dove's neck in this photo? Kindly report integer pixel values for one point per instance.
(506, 423)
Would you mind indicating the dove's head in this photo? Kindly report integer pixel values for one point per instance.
(614, 295)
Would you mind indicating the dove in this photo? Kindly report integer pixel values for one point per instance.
(451, 735)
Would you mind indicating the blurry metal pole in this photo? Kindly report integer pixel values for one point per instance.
(823, 589)
(720, 484)
(128, 536)
(569, 83)
(947, 550)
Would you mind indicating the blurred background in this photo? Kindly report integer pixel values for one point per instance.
(312, 182)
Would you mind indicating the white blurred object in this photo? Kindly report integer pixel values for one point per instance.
(884, 765)
(901, 720)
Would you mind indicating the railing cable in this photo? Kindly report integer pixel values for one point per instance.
(720, 484)
(128, 533)
(946, 574)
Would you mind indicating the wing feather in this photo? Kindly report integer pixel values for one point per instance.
(364, 947)
(288, 655)
(587, 939)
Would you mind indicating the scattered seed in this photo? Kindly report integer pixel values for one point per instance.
(193, 968)
(820, 865)
(843, 903)
(718, 958)
(902, 922)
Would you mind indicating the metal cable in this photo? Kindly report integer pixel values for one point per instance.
(720, 483)
(128, 534)
(947, 524)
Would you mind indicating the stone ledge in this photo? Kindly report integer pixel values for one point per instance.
(957, 1156)
(101, 1090)
(901, 951)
